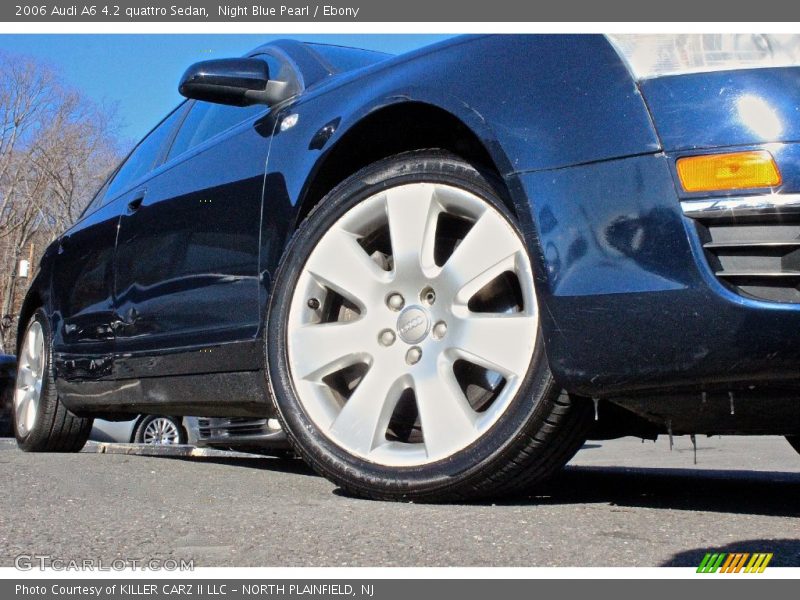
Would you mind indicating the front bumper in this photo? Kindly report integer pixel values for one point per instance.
(236, 432)
(631, 300)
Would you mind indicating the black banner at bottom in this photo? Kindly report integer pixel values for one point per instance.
(381, 589)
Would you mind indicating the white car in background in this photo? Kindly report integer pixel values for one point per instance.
(242, 434)
(245, 434)
(144, 429)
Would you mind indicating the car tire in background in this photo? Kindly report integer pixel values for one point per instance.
(160, 430)
(405, 353)
(8, 370)
(41, 422)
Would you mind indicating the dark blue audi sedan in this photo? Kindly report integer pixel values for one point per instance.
(442, 271)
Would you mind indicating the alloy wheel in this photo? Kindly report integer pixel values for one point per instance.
(161, 431)
(412, 324)
(30, 375)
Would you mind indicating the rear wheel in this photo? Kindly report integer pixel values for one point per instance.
(405, 351)
(41, 422)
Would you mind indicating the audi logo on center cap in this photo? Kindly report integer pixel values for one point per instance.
(416, 321)
(413, 324)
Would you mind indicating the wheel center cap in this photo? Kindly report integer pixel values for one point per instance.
(413, 324)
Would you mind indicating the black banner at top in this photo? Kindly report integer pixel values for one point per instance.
(461, 11)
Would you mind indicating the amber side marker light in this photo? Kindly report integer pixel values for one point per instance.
(734, 171)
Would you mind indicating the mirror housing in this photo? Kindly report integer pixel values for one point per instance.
(232, 81)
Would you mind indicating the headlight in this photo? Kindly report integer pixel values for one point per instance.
(655, 55)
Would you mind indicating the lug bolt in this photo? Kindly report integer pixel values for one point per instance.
(313, 303)
(428, 296)
(386, 337)
(413, 355)
(395, 301)
(439, 330)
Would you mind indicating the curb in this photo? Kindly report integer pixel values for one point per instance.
(178, 450)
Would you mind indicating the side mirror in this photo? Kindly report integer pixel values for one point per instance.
(233, 81)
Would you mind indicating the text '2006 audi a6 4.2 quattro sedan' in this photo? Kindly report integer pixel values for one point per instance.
(442, 271)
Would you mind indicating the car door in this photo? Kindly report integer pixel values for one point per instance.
(186, 266)
(83, 274)
(82, 292)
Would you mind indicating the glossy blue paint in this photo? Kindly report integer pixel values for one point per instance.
(81, 266)
(726, 108)
(612, 227)
(627, 299)
(628, 302)
(189, 253)
(549, 111)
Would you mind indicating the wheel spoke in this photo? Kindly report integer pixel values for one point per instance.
(30, 410)
(24, 376)
(412, 212)
(341, 264)
(501, 343)
(38, 349)
(30, 347)
(447, 419)
(487, 251)
(22, 401)
(363, 420)
(321, 349)
(170, 433)
(27, 352)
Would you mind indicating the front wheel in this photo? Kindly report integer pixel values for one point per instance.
(41, 422)
(405, 351)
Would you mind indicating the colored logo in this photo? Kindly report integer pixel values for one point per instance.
(735, 562)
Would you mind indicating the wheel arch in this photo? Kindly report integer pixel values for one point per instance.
(397, 126)
(33, 300)
(137, 423)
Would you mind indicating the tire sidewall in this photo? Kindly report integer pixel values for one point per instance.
(528, 408)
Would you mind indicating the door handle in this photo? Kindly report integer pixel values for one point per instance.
(135, 204)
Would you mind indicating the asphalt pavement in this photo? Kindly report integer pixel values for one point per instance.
(618, 503)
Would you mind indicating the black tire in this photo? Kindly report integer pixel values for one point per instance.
(6, 401)
(539, 432)
(56, 429)
(794, 440)
(138, 436)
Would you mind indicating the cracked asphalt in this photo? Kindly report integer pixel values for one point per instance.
(618, 503)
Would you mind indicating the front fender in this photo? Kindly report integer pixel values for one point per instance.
(548, 101)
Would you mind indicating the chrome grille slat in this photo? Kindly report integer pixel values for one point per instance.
(758, 274)
(742, 206)
(752, 243)
(232, 428)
